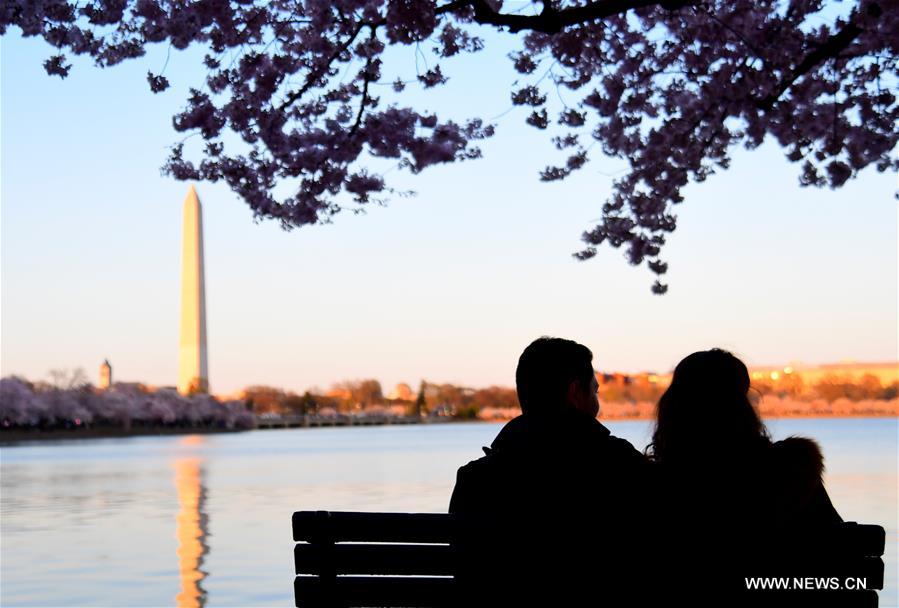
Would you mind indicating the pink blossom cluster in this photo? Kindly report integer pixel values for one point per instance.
(669, 87)
(22, 405)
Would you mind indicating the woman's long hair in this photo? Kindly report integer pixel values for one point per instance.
(706, 412)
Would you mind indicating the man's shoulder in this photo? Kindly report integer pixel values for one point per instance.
(623, 447)
(480, 467)
(618, 447)
(473, 482)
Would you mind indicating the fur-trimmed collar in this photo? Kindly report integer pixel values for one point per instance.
(800, 456)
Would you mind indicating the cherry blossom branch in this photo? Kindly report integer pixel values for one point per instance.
(315, 75)
(366, 80)
(668, 92)
(834, 45)
(728, 27)
(552, 21)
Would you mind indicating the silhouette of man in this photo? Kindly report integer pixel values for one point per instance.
(551, 514)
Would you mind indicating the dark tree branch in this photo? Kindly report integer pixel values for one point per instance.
(362, 104)
(831, 48)
(452, 6)
(314, 75)
(727, 26)
(549, 21)
(366, 80)
(552, 21)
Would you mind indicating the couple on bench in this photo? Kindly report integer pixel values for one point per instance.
(560, 512)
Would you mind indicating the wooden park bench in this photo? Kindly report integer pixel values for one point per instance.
(407, 559)
(373, 559)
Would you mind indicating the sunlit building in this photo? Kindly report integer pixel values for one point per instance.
(105, 375)
(193, 372)
(401, 392)
(886, 373)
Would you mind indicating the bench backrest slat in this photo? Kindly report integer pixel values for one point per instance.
(337, 526)
(353, 558)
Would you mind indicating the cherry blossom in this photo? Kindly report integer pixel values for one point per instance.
(26, 406)
(670, 87)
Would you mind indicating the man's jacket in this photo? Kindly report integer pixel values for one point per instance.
(554, 512)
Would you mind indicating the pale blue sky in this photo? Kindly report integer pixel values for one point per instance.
(448, 286)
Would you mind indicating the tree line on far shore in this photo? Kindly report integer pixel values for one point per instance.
(366, 397)
(621, 396)
(68, 401)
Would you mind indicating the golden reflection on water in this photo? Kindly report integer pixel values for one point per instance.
(191, 440)
(191, 532)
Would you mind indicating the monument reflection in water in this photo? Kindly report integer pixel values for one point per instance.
(191, 530)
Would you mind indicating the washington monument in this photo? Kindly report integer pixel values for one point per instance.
(193, 373)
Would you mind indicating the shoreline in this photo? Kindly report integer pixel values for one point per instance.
(10, 438)
(14, 437)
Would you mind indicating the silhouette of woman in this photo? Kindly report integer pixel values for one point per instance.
(730, 494)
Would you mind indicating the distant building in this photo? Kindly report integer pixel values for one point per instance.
(105, 375)
(340, 393)
(778, 375)
(401, 392)
(613, 378)
(885, 372)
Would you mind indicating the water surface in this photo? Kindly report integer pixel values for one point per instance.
(193, 520)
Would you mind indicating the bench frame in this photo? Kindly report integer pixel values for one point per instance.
(409, 559)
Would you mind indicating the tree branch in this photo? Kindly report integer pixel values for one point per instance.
(549, 21)
(552, 21)
(452, 6)
(727, 26)
(832, 47)
(366, 80)
(314, 75)
(362, 104)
